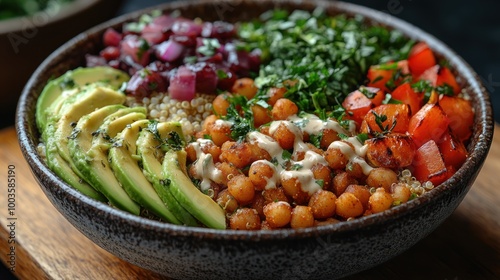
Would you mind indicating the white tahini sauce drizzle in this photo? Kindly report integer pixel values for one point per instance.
(308, 123)
(204, 165)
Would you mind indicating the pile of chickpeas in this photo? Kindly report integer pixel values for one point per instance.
(346, 192)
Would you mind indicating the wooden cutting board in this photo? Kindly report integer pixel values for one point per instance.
(465, 246)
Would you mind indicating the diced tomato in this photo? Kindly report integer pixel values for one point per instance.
(407, 95)
(110, 53)
(460, 114)
(398, 114)
(429, 123)
(379, 75)
(430, 74)
(444, 76)
(420, 59)
(357, 104)
(428, 164)
(395, 150)
(453, 151)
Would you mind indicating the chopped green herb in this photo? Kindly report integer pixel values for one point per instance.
(362, 137)
(320, 182)
(209, 46)
(328, 57)
(445, 89)
(367, 93)
(286, 155)
(67, 83)
(389, 100)
(296, 167)
(315, 139)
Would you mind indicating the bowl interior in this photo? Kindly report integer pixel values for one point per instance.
(71, 55)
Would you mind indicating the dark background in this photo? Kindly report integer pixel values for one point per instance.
(472, 30)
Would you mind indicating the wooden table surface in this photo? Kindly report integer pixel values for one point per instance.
(465, 246)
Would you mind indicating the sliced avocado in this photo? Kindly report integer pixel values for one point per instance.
(149, 149)
(91, 158)
(200, 205)
(68, 84)
(73, 108)
(125, 164)
(61, 167)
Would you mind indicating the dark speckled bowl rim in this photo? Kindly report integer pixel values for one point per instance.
(482, 135)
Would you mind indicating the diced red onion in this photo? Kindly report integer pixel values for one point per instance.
(183, 84)
(206, 77)
(133, 46)
(186, 27)
(144, 82)
(169, 51)
(112, 37)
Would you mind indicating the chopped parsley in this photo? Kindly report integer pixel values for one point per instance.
(328, 57)
(242, 123)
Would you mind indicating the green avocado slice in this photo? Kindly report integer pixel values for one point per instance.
(58, 130)
(73, 108)
(125, 164)
(70, 83)
(200, 205)
(91, 158)
(61, 167)
(149, 149)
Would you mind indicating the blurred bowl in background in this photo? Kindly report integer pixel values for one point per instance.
(26, 41)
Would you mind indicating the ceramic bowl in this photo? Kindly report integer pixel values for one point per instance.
(26, 41)
(325, 252)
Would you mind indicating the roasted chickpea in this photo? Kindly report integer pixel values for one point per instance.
(278, 214)
(227, 201)
(348, 206)
(284, 108)
(335, 157)
(323, 173)
(220, 132)
(329, 135)
(238, 154)
(293, 188)
(245, 219)
(260, 174)
(209, 122)
(228, 171)
(220, 104)
(381, 178)
(273, 195)
(341, 181)
(284, 136)
(241, 188)
(379, 201)
(322, 204)
(258, 153)
(245, 87)
(361, 192)
(261, 115)
(355, 169)
(302, 217)
(275, 94)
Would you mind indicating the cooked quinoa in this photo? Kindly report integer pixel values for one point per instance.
(190, 114)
